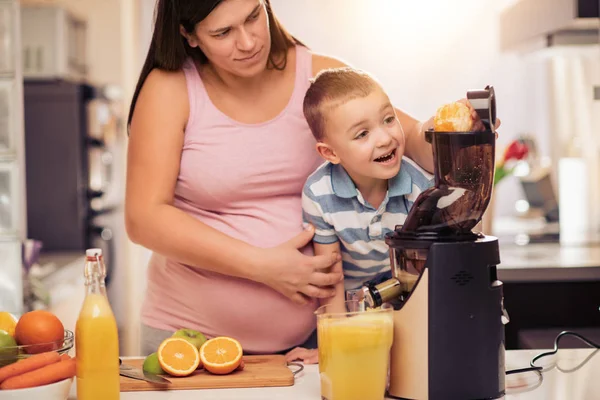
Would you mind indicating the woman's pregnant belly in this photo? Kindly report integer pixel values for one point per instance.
(181, 296)
(263, 320)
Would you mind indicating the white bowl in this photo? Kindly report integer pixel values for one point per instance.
(54, 391)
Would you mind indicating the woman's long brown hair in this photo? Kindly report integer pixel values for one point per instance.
(169, 49)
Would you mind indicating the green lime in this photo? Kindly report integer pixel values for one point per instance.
(8, 348)
(151, 365)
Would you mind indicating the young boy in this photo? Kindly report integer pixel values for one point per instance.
(365, 188)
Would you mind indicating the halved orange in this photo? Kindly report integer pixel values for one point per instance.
(221, 355)
(178, 357)
(453, 117)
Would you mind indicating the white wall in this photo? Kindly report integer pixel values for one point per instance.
(145, 28)
(424, 52)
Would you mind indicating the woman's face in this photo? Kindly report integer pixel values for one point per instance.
(235, 37)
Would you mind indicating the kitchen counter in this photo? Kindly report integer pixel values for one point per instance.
(539, 260)
(548, 262)
(571, 375)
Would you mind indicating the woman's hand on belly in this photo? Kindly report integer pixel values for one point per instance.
(295, 275)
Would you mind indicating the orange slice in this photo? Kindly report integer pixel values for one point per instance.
(221, 355)
(178, 357)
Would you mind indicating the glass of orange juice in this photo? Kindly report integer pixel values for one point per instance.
(354, 351)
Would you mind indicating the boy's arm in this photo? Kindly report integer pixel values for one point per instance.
(325, 240)
(416, 147)
(336, 303)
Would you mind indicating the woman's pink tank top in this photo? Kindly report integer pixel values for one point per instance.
(245, 180)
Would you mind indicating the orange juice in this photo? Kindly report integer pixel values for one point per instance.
(354, 351)
(96, 339)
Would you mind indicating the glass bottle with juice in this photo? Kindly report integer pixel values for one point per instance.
(354, 352)
(96, 337)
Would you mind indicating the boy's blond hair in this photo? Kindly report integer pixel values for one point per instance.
(331, 88)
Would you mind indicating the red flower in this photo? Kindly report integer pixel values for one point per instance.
(516, 150)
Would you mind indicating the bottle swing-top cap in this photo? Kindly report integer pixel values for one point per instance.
(93, 253)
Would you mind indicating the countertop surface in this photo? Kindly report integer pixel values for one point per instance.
(530, 251)
(570, 375)
(542, 262)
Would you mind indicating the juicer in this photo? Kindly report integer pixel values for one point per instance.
(448, 303)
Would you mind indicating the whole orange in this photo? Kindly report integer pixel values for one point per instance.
(41, 330)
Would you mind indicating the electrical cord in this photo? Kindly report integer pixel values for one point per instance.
(555, 350)
(520, 370)
(538, 369)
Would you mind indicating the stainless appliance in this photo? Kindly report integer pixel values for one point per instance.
(75, 158)
(70, 129)
(448, 317)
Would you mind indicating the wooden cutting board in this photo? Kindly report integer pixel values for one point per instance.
(259, 371)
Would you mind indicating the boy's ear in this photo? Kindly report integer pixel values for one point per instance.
(327, 153)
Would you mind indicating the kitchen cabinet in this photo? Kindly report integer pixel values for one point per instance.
(551, 307)
(7, 36)
(549, 287)
(9, 199)
(12, 157)
(7, 105)
(56, 48)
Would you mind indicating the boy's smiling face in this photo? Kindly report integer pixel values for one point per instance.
(364, 136)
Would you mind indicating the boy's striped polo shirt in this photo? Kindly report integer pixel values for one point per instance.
(337, 210)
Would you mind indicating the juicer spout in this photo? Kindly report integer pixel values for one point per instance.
(376, 295)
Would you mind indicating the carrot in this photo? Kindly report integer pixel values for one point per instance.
(42, 376)
(28, 364)
(65, 357)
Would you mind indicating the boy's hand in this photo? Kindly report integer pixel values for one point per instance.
(477, 124)
(307, 356)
